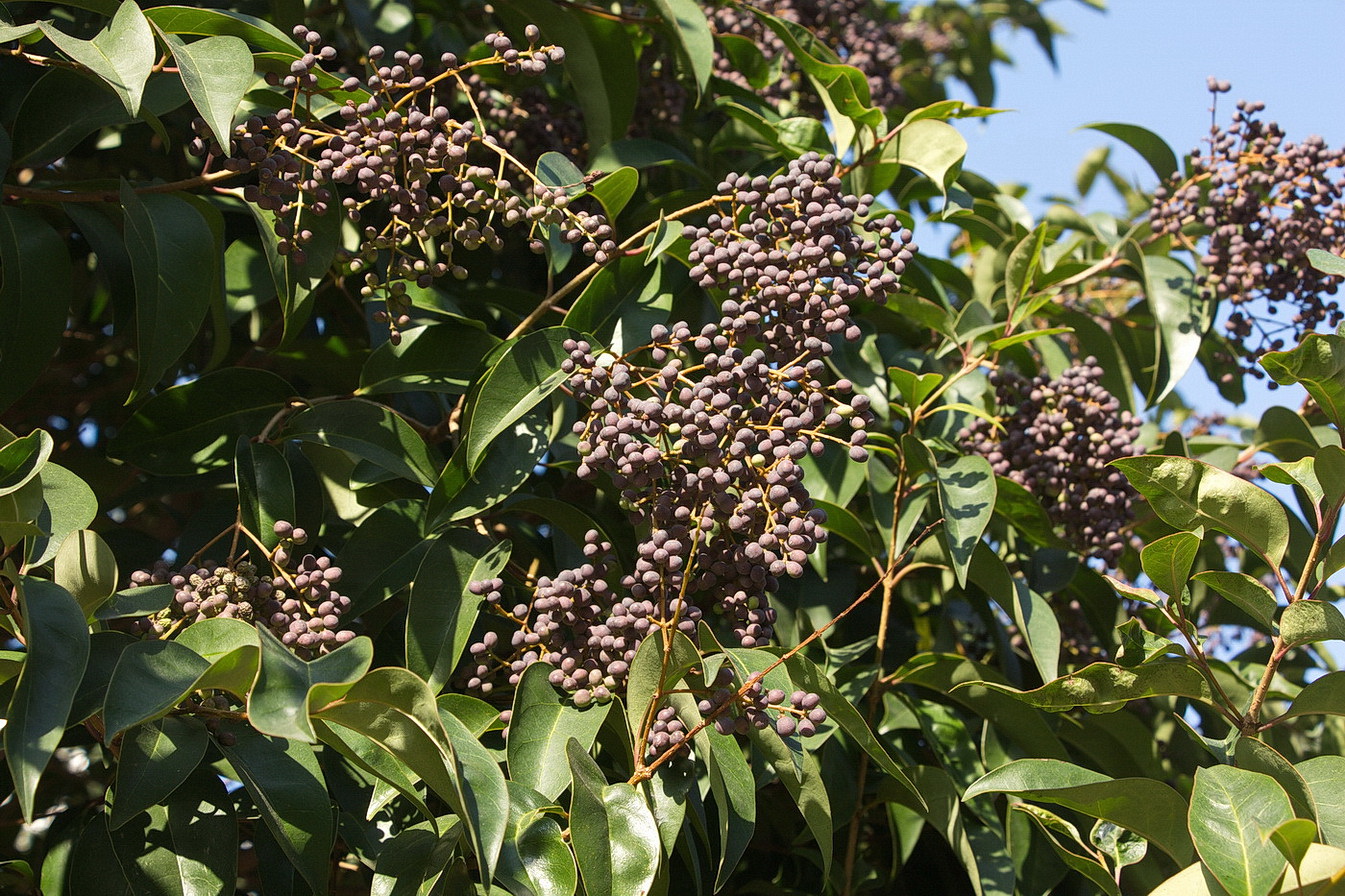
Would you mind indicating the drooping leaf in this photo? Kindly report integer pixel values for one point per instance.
(1246, 592)
(37, 270)
(735, 799)
(1182, 316)
(615, 838)
(86, 567)
(685, 21)
(543, 721)
(22, 460)
(1310, 621)
(155, 758)
(485, 795)
(216, 71)
(58, 649)
(265, 489)
(1149, 145)
(967, 498)
(1325, 779)
(536, 859)
(1318, 362)
(368, 431)
(441, 610)
(1168, 560)
(1148, 807)
(286, 784)
(203, 22)
(461, 493)
(1188, 493)
(1232, 814)
(121, 54)
(443, 357)
(68, 505)
(175, 258)
(194, 427)
(933, 147)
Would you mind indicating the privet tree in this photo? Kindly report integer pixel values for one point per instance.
(520, 448)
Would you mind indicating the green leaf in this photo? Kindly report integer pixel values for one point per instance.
(175, 258)
(1052, 826)
(934, 147)
(58, 649)
(735, 797)
(37, 274)
(536, 859)
(1182, 317)
(543, 721)
(265, 489)
(368, 431)
(441, 357)
(151, 677)
(1326, 262)
(213, 22)
(1187, 494)
(1318, 877)
(370, 756)
(286, 784)
(1318, 362)
(686, 24)
(121, 54)
(1039, 626)
(155, 758)
(807, 676)
(1232, 813)
(615, 838)
(295, 283)
(288, 688)
(68, 505)
(381, 556)
(410, 857)
(1245, 592)
(1122, 846)
(485, 795)
(1168, 560)
(187, 846)
(1149, 145)
(194, 427)
(1149, 808)
(86, 567)
(441, 610)
(967, 496)
(616, 189)
(1325, 779)
(216, 71)
(1103, 687)
(22, 459)
(1302, 472)
(1324, 695)
(461, 493)
(528, 370)
(1293, 838)
(1310, 621)
(1256, 755)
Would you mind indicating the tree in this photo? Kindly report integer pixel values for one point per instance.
(456, 448)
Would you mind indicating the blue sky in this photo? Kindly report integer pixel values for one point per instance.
(1145, 62)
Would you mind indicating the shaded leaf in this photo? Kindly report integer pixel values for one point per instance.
(86, 567)
(967, 497)
(37, 272)
(122, 54)
(216, 71)
(368, 431)
(155, 758)
(528, 370)
(1310, 621)
(288, 688)
(1246, 592)
(1103, 687)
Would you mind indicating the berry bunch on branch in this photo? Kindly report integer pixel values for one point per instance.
(702, 433)
(419, 179)
(1056, 437)
(1260, 201)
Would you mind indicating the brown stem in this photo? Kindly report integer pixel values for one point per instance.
(36, 194)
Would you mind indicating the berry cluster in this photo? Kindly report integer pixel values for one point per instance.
(1261, 202)
(701, 432)
(1055, 438)
(876, 38)
(299, 606)
(419, 181)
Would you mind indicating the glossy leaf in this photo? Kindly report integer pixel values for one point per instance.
(527, 372)
(461, 494)
(1232, 814)
(1246, 592)
(543, 721)
(86, 567)
(1053, 826)
(36, 269)
(615, 839)
(22, 459)
(616, 189)
(174, 255)
(1168, 560)
(288, 688)
(967, 497)
(368, 431)
(1188, 494)
(1103, 687)
(1324, 695)
(441, 610)
(537, 860)
(155, 758)
(150, 679)
(439, 358)
(1325, 780)
(68, 505)
(484, 795)
(216, 71)
(1318, 362)
(265, 489)
(1182, 316)
(214, 22)
(1149, 808)
(121, 54)
(58, 649)
(194, 427)
(734, 793)
(287, 786)
(1149, 145)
